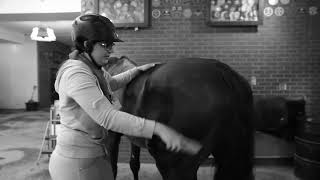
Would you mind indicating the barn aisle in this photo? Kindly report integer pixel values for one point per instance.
(21, 135)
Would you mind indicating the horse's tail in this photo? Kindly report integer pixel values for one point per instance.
(234, 142)
(232, 145)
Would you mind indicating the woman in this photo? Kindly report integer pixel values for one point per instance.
(88, 107)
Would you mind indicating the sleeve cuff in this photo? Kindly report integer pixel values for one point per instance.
(132, 73)
(148, 128)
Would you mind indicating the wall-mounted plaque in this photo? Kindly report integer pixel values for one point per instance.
(235, 12)
(133, 13)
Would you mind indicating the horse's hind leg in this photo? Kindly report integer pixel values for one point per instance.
(163, 168)
(113, 150)
(184, 169)
(135, 161)
(176, 166)
(233, 166)
(234, 155)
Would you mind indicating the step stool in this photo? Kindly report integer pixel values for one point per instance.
(49, 138)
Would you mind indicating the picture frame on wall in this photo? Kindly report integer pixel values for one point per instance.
(124, 14)
(235, 12)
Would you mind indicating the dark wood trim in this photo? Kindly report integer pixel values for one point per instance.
(39, 16)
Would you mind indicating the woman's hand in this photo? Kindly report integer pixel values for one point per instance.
(175, 141)
(147, 66)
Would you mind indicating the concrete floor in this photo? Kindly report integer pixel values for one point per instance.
(21, 134)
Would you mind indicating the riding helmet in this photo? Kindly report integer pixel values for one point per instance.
(93, 28)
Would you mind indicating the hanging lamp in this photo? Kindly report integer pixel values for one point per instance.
(42, 33)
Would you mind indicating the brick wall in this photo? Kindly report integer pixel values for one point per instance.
(285, 49)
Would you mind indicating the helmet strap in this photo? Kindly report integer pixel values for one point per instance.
(88, 47)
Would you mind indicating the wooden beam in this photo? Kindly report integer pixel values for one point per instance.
(10, 36)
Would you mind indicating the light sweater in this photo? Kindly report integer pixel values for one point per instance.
(84, 110)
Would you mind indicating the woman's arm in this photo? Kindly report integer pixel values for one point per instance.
(122, 79)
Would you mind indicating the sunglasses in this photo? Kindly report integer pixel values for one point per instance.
(106, 46)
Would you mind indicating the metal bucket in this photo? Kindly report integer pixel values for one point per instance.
(307, 152)
(32, 106)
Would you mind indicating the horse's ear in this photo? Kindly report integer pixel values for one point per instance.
(122, 58)
(128, 59)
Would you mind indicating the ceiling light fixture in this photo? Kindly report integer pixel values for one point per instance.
(43, 34)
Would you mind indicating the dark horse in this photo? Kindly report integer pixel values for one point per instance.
(203, 99)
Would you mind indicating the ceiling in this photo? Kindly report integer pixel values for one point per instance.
(62, 29)
(17, 18)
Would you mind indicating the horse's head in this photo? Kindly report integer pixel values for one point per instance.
(118, 65)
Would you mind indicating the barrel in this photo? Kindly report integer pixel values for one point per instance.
(296, 111)
(307, 148)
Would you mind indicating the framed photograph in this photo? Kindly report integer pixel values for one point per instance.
(235, 12)
(123, 13)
